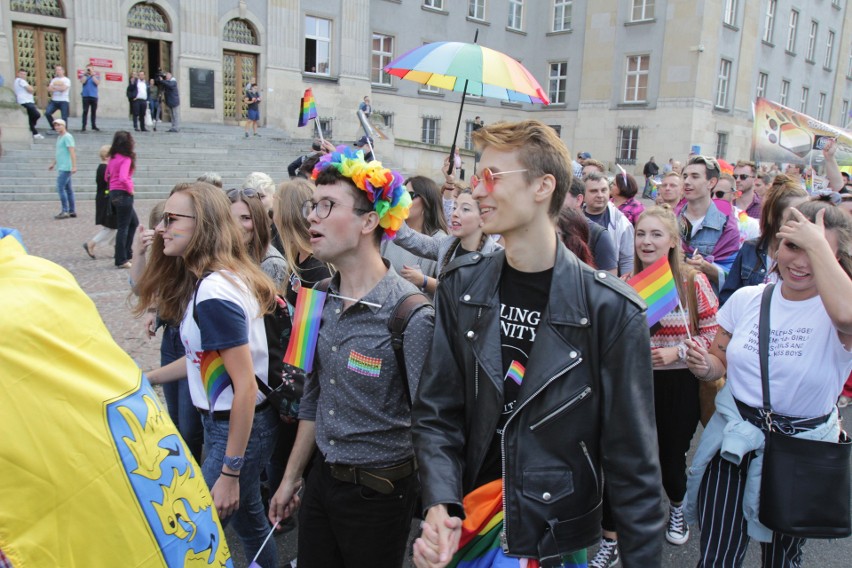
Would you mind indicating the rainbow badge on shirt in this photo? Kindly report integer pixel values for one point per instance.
(515, 372)
(213, 376)
(363, 365)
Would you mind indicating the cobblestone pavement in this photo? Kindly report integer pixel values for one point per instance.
(62, 242)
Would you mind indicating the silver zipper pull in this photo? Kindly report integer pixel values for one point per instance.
(503, 543)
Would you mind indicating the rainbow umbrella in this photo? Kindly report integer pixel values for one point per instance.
(468, 68)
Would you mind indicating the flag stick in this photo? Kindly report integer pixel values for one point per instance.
(259, 550)
(319, 128)
(685, 321)
(356, 300)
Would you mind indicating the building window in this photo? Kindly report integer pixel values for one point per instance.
(382, 55)
(628, 140)
(385, 116)
(145, 17)
(557, 128)
(844, 114)
(476, 9)
(42, 7)
(431, 130)
(317, 45)
(769, 20)
(636, 81)
(436, 4)
(731, 12)
(642, 10)
(562, 15)
(803, 104)
(785, 90)
(723, 83)
(721, 144)
(829, 50)
(791, 31)
(849, 66)
(239, 31)
(558, 82)
(327, 127)
(812, 41)
(821, 106)
(762, 79)
(516, 14)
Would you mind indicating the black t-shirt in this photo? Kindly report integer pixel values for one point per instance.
(523, 298)
(312, 271)
(601, 219)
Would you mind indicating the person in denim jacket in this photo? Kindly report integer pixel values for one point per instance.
(751, 266)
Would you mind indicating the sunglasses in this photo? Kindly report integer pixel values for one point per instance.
(234, 194)
(169, 218)
(488, 178)
(708, 162)
(742, 177)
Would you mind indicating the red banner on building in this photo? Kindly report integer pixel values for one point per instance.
(114, 77)
(99, 62)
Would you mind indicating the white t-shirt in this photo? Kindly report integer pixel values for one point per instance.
(807, 362)
(61, 96)
(21, 92)
(141, 90)
(229, 316)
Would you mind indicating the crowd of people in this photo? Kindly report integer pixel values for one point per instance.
(528, 411)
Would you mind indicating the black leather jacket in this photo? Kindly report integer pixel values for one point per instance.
(585, 411)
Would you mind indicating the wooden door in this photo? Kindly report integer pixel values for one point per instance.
(137, 60)
(237, 70)
(39, 50)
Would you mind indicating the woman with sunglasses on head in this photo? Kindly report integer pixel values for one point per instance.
(425, 217)
(753, 263)
(250, 214)
(623, 191)
(119, 176)
(199, 273)
(810, 356)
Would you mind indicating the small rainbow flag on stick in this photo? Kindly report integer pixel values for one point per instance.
(657, 287)
(308, 109)
(306, 325)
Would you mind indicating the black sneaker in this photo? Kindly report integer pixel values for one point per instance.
(72, 214)
(607, 555)
(678, 531)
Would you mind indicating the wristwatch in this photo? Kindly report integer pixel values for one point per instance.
(234, 462)
(681, 352)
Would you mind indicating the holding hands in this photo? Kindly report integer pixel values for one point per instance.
(439, 539)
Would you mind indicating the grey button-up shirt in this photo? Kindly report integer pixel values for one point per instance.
(355, 394)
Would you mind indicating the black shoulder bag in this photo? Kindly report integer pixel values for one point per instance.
(805, 484)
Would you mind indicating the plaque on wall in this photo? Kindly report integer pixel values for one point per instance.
(201, 92)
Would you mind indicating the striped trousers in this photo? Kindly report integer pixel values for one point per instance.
(724, 539)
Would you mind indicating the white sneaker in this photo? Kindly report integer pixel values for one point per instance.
(678, 531)
(38, 137)
(607, 555)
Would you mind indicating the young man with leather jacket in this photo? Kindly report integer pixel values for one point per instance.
(538, 386)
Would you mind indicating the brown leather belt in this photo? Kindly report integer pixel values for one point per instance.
(377, 479)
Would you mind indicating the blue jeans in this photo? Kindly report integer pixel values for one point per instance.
(178, 401)
(126, 223)
(65, 191)
(53, 106)
(250, 520)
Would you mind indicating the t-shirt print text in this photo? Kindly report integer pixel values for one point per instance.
(782, 342)
(519, 323)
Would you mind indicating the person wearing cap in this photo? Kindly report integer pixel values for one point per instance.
(577, 165)
(360, 494)
(368, 151)
(66, 165)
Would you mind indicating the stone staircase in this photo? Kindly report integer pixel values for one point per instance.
(163, 158)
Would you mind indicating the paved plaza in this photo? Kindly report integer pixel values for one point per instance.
(62, 242)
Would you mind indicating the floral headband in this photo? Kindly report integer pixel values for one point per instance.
(383, 187)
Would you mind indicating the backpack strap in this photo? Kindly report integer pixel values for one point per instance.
(406, 307)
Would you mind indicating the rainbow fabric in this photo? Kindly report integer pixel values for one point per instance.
(383, 187)
(363, 365)
(479, 545)
(306, 323)
(308, 108)
(657, 287)
(515, 372)
(213, 376)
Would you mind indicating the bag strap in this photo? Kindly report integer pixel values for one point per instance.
(763, 350)
(406, 307)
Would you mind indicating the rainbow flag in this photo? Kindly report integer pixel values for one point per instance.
(657, 287)
(516, 372)
(306, 323)
(479, 545)
(214, 376)
(308, 108)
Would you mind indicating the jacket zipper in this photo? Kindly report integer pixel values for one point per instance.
(504, 540)
(476, 364)
(591, 465)
(578, 398)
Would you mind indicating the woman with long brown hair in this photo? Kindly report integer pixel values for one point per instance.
(201, 275)
(119, 177)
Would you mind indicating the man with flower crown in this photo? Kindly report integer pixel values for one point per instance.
(361, 491)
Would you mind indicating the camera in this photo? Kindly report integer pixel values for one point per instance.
(159, 76)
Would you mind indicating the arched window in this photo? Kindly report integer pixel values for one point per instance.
(240, 31)
(147, 17)
(40, 7)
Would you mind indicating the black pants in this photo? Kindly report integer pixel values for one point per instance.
(90, 103)
(139, 107)
(678, 411)
(33, 114)
(346, 525)
(126, 223)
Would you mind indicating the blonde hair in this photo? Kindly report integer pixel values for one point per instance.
(261, 182)
(291, 224)
(104, 153)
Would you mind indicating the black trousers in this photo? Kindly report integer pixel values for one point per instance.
(90, 103)
(346, 525)
(126, 223)
(33, 114)
(139, 107)
(678, 411)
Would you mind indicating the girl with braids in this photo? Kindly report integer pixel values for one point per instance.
(465, 237)
(200, 274)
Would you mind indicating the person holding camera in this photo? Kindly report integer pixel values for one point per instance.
(252, 99)
(171, 97)
(90, 81)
